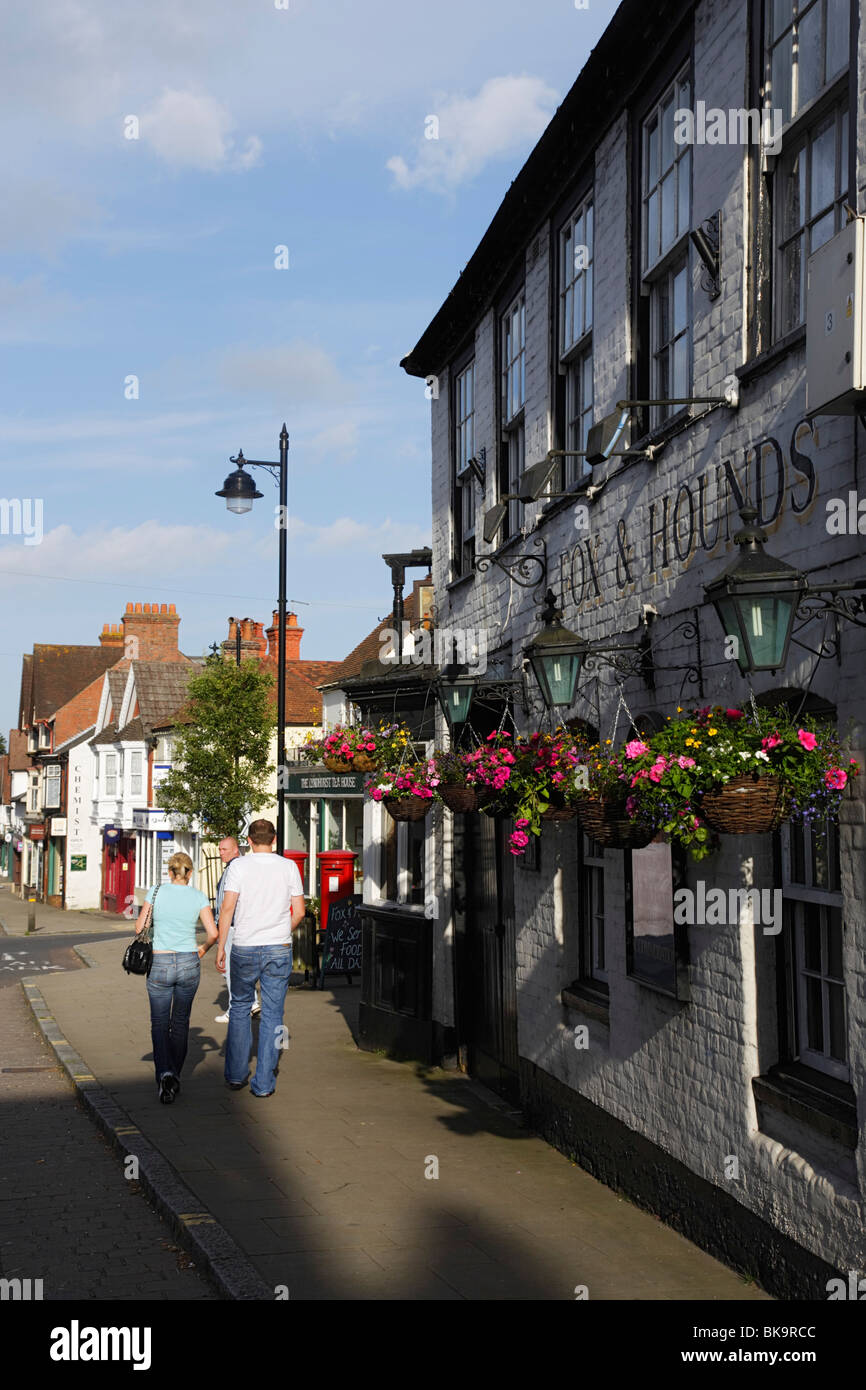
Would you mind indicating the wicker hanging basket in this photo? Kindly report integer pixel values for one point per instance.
(334, 764)
(365, 762)
(457, 798)
(607, 822)
(559, 810)
(407, 807)
(749, 805)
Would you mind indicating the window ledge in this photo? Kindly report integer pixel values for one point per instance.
(821, 1102)
(766, 360)
(586, 1001)
(461, 579)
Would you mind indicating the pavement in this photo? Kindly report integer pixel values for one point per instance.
(361, 1177)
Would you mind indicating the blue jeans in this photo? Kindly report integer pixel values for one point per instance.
(272, 967)
(171, 987)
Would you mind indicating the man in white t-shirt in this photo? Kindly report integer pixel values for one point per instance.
(263, 904)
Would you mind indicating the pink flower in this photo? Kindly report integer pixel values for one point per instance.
(772, 741)
(371, 747)
(635, 748)
(521, 824)
(630, 804)
(656, 773)
(685, 762)
(734, 713)
(835, 778)
(377, 793)
(808, 740)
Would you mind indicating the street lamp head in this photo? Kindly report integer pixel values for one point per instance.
(756, 599)
(239, 489)
(455, 689)
(555, 656)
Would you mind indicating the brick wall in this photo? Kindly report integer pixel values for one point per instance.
(150, 632)
(679, 1074)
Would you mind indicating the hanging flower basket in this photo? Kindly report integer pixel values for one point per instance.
(749, 805)
(364, 762)
(559, 810)
(459, 799)
(336, 764)
(607, 822)
(409, 808)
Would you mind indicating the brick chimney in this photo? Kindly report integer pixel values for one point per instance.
(111, 636)
(150, 632)
(253, 642)
(293, 638)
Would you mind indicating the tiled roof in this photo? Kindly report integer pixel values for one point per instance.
(369, 648)
(5, 779)
(162, 689)
(316, 672)
(53, 674)
(117, 677)
(19, 759)
(303, 700)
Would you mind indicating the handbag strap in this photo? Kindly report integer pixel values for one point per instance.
(146, 933)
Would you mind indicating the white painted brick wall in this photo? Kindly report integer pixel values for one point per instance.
(680, 1074)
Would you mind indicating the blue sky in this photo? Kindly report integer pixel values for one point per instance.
(154, 257)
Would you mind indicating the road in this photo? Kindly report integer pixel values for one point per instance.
(67, 1214)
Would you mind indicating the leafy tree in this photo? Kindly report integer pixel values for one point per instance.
(222, 740)
(3, 748)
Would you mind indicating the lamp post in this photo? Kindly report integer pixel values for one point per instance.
(555, 656)
(240, 492)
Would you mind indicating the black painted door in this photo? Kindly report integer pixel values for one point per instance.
(489, 985)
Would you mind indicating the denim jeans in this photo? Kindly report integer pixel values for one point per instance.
(229, 941)
(272, 967)
(171, 986)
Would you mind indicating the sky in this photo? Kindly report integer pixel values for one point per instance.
(155, 159)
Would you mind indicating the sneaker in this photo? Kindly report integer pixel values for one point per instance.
(222, 1018)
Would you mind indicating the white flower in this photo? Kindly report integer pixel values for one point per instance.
(745, 755)
(765, 757)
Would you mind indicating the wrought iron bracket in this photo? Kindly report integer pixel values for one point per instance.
(521, 568)
(706, 240)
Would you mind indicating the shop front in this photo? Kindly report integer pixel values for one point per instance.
(324, 812)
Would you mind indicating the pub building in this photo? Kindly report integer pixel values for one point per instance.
(645, 344)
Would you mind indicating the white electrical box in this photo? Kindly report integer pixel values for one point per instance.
(835, 363)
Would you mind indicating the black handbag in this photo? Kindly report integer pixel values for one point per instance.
(138, 956)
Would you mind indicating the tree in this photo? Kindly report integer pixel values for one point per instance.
(222, 741)
(2, 745)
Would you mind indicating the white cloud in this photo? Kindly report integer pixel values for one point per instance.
(154, 549)
(295, 373)
(346, 534)
(193, 131)
(503, 121)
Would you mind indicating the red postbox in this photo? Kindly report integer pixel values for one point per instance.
(336, 879)
(299, 857)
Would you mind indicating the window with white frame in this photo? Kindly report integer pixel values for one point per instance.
(136, 773)
(404, 861)
(162, 753)
(44, 737)
(464, 478)
(33, 792)
(812, 901)
(512, 456)
(575, 341)
(51, 787)
(111, 761)
(666, 222)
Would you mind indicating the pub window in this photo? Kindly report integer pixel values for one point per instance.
(805, 49)
(575, 393)
(810, 195)
(656, 946)
(666, 221)
(513, 394)
(593, 952)
(464, 478)
(813, 933)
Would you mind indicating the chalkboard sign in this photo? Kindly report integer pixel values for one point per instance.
(341, 940)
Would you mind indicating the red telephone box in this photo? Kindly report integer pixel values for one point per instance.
(336, 878)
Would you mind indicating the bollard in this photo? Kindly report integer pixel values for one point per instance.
(31, 916)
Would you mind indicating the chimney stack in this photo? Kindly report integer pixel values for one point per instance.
(150, 632)
(111, 636)
(253, 643)
(293, 638)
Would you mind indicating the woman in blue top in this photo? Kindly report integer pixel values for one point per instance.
(174, 975)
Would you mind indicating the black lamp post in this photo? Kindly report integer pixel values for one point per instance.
(240, 492)
(555, 656)
(757, 600)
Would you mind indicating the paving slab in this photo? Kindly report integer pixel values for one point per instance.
(322, 1186)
